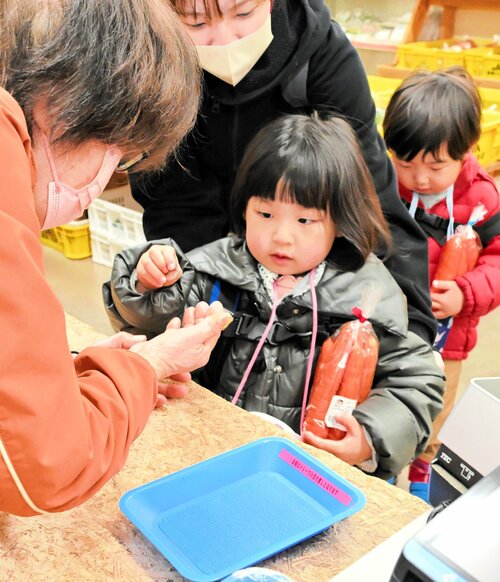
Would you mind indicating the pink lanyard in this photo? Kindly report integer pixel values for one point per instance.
(310, 359)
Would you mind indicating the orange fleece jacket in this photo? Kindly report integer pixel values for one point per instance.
(66, 425)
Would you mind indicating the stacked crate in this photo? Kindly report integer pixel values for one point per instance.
(113, 228)
(73, 239)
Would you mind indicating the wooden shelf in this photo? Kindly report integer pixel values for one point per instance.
(450, 8)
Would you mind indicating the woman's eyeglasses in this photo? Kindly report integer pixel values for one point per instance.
(126, 165)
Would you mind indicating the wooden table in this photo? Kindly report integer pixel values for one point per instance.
(95, 542)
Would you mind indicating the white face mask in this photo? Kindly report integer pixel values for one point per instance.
(231, 62)
(66, 203)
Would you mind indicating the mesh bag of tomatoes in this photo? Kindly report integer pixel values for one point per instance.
(343, 377)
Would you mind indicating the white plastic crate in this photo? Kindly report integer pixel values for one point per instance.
(103, 250)
(113, 228)
(116, 222)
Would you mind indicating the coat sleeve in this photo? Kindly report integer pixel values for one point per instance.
(66, 425)
(481, 287)
(405, 399)
(337, 82)
(148, 312)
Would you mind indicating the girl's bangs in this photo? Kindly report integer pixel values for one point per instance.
(298, 183)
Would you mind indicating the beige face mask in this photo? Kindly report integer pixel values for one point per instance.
(231, 62)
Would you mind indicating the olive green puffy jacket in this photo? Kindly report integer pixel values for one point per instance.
(407, 390)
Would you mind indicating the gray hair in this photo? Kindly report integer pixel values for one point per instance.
(123, 72)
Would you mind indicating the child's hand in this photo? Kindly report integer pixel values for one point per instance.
(353, 448)
(158, 267)
(447, 299)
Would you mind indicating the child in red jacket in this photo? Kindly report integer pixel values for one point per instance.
(431, 123)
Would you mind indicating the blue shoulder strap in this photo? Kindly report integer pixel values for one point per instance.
(215, 292)
(229, 301)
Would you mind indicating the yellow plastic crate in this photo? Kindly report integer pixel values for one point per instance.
(484, 62)
(487, 150)
(381, 89)
(73, 239)
(490, 98)
(496, 145)
(433, 55)
(382, 84)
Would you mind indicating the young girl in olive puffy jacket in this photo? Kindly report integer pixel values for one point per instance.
(307, 221)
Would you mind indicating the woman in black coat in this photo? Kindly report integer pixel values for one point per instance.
(303, 62)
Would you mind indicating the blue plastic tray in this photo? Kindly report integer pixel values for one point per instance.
(238, 508)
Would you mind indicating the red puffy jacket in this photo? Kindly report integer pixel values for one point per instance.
(481, 286)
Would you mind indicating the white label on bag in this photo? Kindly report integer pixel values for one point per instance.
(339, 405)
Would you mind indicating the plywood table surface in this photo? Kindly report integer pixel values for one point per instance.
(95, 542)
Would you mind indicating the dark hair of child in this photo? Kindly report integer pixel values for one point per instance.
(315, 162)
(432, 109)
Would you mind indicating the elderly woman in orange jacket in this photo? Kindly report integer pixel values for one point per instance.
(89, 86)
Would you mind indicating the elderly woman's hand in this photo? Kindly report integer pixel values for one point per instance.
(174, 387)
(122, 340)
(182, 349)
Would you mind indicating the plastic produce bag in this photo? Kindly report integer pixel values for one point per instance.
(344, 375)
(461, 251)
(459, 256)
